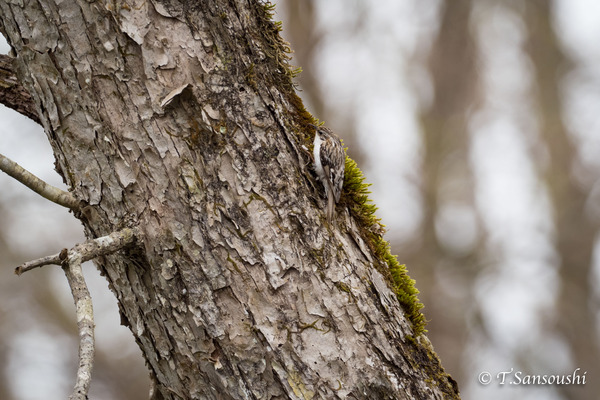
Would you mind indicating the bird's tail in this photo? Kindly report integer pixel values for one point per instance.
(330, 204)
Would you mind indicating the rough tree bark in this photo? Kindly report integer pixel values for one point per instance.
(180, 119)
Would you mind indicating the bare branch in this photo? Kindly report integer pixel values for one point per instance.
(85, 324)
(54, 259)
(71, 261)
(89, 249)
(34, 183)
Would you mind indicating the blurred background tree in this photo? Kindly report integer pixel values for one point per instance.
(477, 123)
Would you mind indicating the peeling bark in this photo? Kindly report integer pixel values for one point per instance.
(180, 118)
(12, 93)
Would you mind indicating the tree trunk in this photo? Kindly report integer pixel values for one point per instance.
(181, 119)
(576, 232)
(448, 183)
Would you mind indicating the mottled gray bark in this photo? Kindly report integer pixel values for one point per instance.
(180, 119)
(12, 93)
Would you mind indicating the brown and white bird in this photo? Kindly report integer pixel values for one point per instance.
(330, 164)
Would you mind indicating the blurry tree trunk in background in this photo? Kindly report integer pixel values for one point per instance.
(6, 333)
(180, 119)
(5, 392)
(576, 231)
(445, 275)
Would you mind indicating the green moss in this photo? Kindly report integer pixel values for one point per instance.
(277, 49)
(302, 118)
(295, 71)
(407, 292)
(269, 9)
(234, 264)
(251, 77)
(343, 287)
(312, 325)
(256, 196)
(356, 196)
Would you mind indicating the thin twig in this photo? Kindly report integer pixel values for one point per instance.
(71, 261)
(89, 249)
(34, 183)
(85, 324)
(54, 259)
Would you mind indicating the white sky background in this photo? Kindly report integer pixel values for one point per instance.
(382, 95)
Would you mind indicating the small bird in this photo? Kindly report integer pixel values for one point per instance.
(330, 165)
